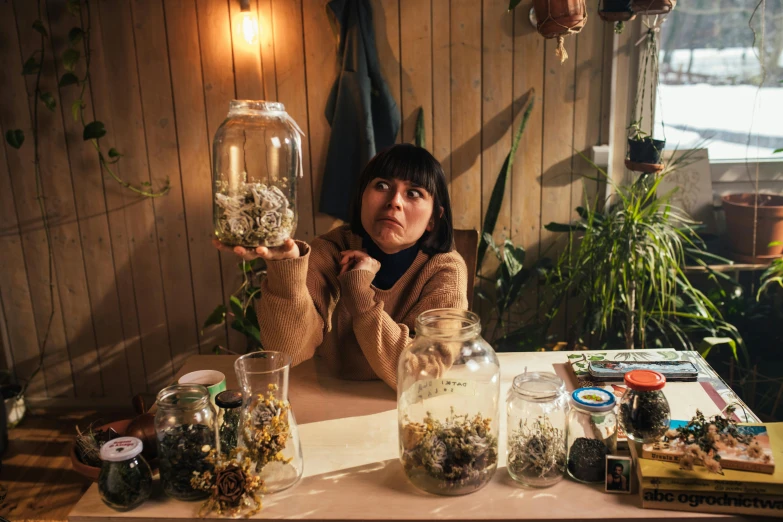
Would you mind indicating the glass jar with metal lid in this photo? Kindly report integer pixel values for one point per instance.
(591, 433)
(125, 481)
(644, 410)
(229, 403)
(536, 419)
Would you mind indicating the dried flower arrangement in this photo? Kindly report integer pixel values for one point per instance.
(703, 439)
(459, 453)
(183, 451)
(232, 483)
(265, 428)
(256, 215)
(537, 451)
(89, 443)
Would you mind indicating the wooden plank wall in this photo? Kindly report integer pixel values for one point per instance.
(133, 279)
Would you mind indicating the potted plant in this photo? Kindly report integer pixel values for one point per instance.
(626, 263)
(653, 7)
(644, 152)
(616, 11)
(759, 243)
(13, 399)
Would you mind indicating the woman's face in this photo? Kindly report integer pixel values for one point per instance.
(396, 213)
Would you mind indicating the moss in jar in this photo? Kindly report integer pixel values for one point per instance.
(587, 459)
(266, 430)
(183, 451)
(645, 416)
(537, 451)
(256, 215)
(125, 485)
(459, 454)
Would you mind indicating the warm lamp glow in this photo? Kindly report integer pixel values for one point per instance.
(249, 27)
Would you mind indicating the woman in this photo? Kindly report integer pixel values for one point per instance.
(355, 292)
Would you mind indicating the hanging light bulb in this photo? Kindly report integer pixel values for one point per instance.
(248, 23)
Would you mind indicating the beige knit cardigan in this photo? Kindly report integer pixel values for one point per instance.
(359, 330)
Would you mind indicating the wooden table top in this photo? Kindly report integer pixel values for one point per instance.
(348, 431)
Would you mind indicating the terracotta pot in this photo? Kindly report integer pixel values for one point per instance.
(559, 17)
(92, 472)
(739, 210)
(653, 7)
(616, 11)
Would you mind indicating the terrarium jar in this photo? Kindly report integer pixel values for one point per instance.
(448, 388)
(536, 419)
(125, 481)
(257, 157)
(268, 433)
(186, 427)
(591, 433)
(644, 410)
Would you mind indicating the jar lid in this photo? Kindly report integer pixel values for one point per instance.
(121, 448)
(538, 386)
(593, 399)
(229, 399)
(644, 380)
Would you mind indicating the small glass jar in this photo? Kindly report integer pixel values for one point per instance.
(125, 481)
(536, 411)
(257, 159)
(591, 433)
(185, 424)
(644, 410)
(230, 404)
(448, 388)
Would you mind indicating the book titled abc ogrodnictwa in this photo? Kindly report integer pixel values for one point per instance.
(663, 485)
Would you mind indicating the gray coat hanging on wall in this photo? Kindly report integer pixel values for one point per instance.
(360, 110)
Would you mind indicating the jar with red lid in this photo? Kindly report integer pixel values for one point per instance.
(644, 410)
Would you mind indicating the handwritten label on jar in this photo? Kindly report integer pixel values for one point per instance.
(435, 387)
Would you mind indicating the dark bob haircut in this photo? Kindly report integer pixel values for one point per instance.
(414, 164)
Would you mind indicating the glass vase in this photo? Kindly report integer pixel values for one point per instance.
(268, 431)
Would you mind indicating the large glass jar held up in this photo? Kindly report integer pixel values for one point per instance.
(448, 387)
(268, 433)
(187, 433)
(536, 421)
(257, 156)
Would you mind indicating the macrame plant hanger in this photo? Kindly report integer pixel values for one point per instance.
(558, 19)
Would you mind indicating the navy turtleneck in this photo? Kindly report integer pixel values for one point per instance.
(393, 266)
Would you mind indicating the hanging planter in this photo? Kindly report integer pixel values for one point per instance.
(653, 7)
(644, 152)
(558, 19)
(616, 11)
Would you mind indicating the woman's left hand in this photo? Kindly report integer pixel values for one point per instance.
(358, 260)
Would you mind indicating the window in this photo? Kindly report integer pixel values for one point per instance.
(712, 85)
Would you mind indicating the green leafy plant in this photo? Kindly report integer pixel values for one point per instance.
(241, 307)
(78, 41)
(772, 275)
(626, 262)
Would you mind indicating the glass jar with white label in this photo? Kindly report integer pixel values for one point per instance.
(448, 388)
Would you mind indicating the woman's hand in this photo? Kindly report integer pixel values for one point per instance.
(288, 250)
(358, 260)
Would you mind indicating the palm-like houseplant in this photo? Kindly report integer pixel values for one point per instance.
(626, 263)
